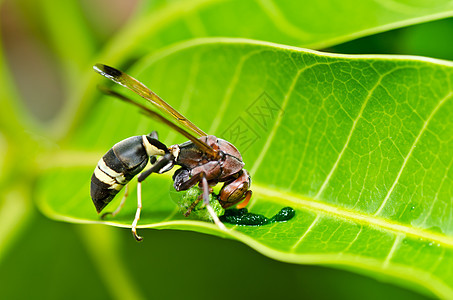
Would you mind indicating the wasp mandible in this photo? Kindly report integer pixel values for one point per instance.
(206, 160)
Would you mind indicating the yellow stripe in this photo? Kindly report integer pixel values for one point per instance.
(116, 186)
(150, 149)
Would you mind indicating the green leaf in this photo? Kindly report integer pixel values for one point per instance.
(74, 55)
(359, 146)
(15, 199)
(294, 23)
(286, 22)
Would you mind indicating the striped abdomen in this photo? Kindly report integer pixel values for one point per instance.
(119, 165)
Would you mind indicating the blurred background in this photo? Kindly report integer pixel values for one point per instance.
(44, 259)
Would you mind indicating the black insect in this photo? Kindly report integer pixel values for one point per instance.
(205, 161)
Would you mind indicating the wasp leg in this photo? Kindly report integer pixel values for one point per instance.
(192, 206)
(205, 186)
(184, 182)
(155, 168)
(161, 163)
(118, 209)
(137, 213)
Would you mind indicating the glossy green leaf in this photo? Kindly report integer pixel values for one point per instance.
(298, 23)
(359, 146)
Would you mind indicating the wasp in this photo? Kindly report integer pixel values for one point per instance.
(204, 160)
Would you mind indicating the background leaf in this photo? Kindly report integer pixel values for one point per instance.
(15, 202)
(101, 261)
(357, 145)
(292, 23)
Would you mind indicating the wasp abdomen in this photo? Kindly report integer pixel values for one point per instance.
(119, 165)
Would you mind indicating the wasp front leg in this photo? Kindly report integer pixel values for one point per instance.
(162, 164)
(183, 181)
(205, 187)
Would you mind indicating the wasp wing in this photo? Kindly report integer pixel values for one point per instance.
(136, 86)
(200, 144)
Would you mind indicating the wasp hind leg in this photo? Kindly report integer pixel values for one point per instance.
(120, 206)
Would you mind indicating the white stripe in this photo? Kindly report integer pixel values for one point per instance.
(150, 149)
(174, 150)
(103, 177)
(107, 170)
(116, 186)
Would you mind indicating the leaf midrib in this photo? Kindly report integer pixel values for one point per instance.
(85, 159)
(273, 195)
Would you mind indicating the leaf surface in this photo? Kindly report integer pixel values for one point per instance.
(289, 22)
(359, 146)
(315, 25)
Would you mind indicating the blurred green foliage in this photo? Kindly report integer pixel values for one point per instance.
(48, 45)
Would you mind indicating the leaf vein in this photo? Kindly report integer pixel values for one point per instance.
(312, 205)
(406, 159)
(277, 122)
(229, 91)
(395, 245)
(354, 124)
(313, 224)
